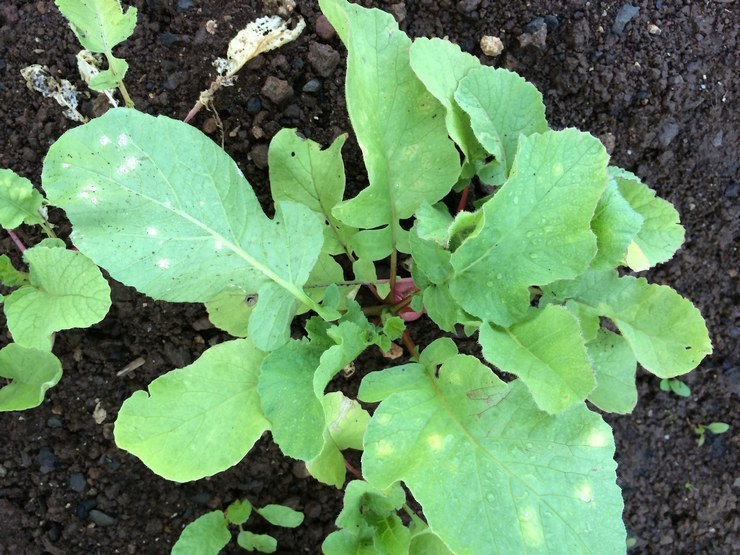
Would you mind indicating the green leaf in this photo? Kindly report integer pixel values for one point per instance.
(400, 126)
(184, 214)
(98, 24)
(230, 311)
(346, 422)
(492, 472)
(665, 331)
(65, 290)
(502, 106)
(441, 65)
(280, 515)
(301, 172)
(368, 522)
(679, 388)
(426, 542)
(718, 427)
(292, 382)
(250, 541)
(9, 276)
(615, 225)
(32, 373)
(547, 352)
(206, 535)
(239, 511)
(615, 367)
(207, 413)
(661, 234)
(536, 229)
(287, 397)
(19, 201)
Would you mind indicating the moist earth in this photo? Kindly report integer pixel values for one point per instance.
(657, 85)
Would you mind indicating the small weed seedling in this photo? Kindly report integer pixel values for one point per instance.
(523, 466)
(676, 386)
(715, 427)
(210, 533)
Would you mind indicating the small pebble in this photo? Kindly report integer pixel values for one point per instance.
(47, 460)
(77, 482)
(258, 155)
(254, 105)
(491, 46)
(54, 422)
(398, 11)
(534, 25)
(624, 15)
(324, 29)
(323, 58)
(718, 139)
(313, 86)
(732, 191)
(467, 6)
(100, 518)
(277, 90)
(668, 132)
(84, 507)
(293, 111)
(653, 29)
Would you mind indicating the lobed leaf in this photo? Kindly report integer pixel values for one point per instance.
(535, 230)
(300, 171)
(346, 422)
(665, 332)
(65, 290)
(502, 106)
(548, 353)
(19, 201)
(661, 234)
(399, 125)
(441, 66)
(32, 372)
(98, 24)
(493, 473)
(197, 420)
(615, 225)
(184, 214)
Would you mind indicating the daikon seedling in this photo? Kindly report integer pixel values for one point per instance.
(538, 274)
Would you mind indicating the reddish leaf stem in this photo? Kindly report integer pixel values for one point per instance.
(18, 243)
(463, 200)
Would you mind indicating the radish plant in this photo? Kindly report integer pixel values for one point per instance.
(504, 466)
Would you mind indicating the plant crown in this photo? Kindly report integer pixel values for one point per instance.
(523, 466)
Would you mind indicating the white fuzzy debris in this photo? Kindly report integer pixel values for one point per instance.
(151, 231)
(65, 165)
(163, 263)
(260, 36)
(218, 245)
(91, 187)
(122, 139)
(104, 140)
(39, 79)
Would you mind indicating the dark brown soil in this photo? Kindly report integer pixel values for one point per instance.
(666, 104)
